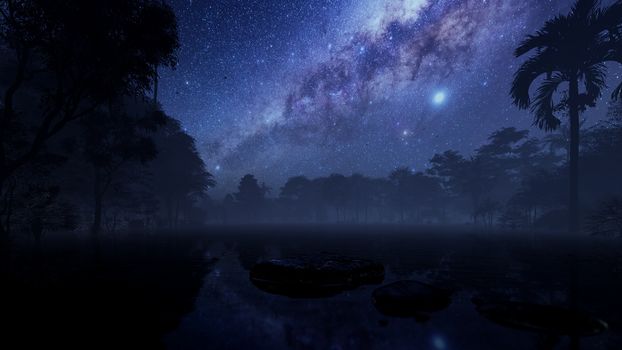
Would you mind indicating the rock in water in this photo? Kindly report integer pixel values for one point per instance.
(410, 299)
(544, 319)
(315, 276)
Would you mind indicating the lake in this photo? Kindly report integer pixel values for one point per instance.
(553, 269)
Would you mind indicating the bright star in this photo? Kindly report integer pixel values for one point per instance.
(439, 97)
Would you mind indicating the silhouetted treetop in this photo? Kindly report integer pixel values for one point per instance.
(106, 46)
(249, 191)
(73, 56)
(569, 50)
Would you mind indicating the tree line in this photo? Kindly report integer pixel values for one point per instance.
(84, 143)
(513, 181)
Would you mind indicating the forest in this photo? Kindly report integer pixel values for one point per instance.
(514, 181)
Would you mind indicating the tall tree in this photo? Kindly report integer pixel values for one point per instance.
(250, 195)
(400, 178)
(73, 56)
(298, 194)
(179, 174)
(113, 140)
(570, 50)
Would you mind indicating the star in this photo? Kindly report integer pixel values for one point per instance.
(439, 98)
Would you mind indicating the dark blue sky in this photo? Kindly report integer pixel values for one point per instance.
(284, 88)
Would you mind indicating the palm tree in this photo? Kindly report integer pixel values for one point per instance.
(570, 51)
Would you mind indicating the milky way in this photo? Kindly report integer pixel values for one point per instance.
(279, 89)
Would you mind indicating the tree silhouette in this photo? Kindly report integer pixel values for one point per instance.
(607, 220)
(73, 56)
(569, 49)
(360, 195)
(178, 172)
(250, 195)
(298, 193)
(112, 139)
(402, 196)
(472, 178)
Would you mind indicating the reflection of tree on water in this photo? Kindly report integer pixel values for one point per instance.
(249, 253)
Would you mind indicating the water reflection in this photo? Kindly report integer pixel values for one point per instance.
(410, 298)
(231, 313)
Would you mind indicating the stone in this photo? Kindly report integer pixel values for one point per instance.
(409, 298)
(315, 275)
(544, 319)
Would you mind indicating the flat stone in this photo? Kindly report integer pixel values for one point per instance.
(545, 319)
(410, 298)
(315, 275)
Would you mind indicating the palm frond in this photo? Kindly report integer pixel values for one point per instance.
(617, 92)
(611, 16)
(595, 81)
(539, 40)
(547, 37)
(531, 69)
(543, 105)
(616, 56)
(584, 9)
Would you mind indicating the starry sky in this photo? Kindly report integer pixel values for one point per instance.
(313, 87)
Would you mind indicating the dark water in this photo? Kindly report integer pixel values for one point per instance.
(230, 313)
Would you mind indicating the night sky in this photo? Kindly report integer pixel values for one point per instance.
(283, 88)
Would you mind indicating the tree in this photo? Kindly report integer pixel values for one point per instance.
(335, 191)
(399, 178)
(607, 220)
(569, 49)
(360, 195)
(459, 176)
(298, 194)
(73, 56)
(178, 172)
(112, 141)
(426, 194)
(447, 167)
(250, 195)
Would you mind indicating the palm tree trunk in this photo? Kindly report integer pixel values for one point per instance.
(155, 86)
(573, 193)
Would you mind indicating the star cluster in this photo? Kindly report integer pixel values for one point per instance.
(313, 87)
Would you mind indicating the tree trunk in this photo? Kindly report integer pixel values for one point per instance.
(5, 229)
(573, 193)
(97, 215)
(177, 213)
(97, 204)
(5, 252)
(169, 211)
(155, 86)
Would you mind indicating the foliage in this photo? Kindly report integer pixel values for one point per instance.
(607, 220)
